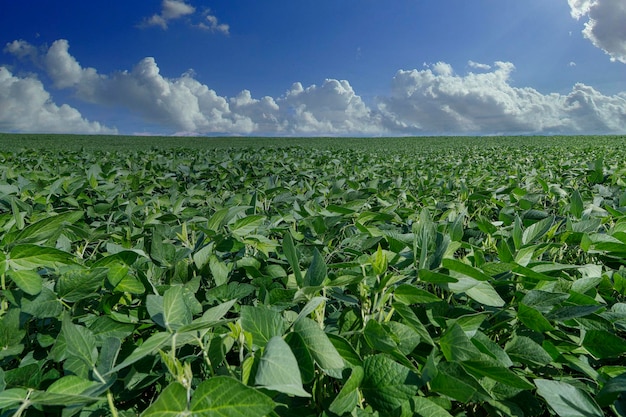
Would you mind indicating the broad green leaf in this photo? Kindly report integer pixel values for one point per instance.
(410, 294)
(452, 380)
(410, 319)
(71, 385)
(278, 369)
(348, 397)
(486, 367)
(80, 342)
(12, 397)
(603, 344)
(576, 204)
(44, 305)
(220, 270)
(291, 254)
(321, 348)
(533, 319)
(434, 277)
(247, 225)
(525, 350)
(76, 284)
(317, 271)
(465, 269)
(456, 346)
(223, 396)
(28, 281)
(424, 407)
(262, 322)
(304, 358)
(31, 257)
(179, 305)
(567, 400)
(612, 390)
(148, 348)
(345, 349)
(536, 230)
(314, 303)
(44, 229)
(387, 384)
(378, 338)
(481, 292)
(172, 402)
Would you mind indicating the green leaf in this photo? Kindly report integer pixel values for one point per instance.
(410, 319)
(28, 281)
(378, 338)
(278, 369)
(262, 322)
(50, 226)
(465, 269)
(348, 397)
(247, 225)
(12, 397)
(485, 367)
(179, 305)
(172, 402)
(567, 400)
(80, 342)
(289, 249)
(71, 385)
(317, 271)
(223, 396)
(31, 257)
(424, 407)
(321, 348)
(603, 344)
(387, 384)
(533, 319)
(612, 390)
(148, 348)
(76, 284)
(576, 205)
(44, 305)
(379, 261)
(452, 380)
(456, 346)
(306, 365)
(434, 277)
(536, 230)
(525, 350)
(410, 294)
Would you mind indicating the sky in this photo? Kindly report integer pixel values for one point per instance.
(313, 68)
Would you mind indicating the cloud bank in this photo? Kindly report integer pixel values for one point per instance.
(606, 27)
(433, 100)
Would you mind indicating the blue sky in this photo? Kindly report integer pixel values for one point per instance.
(300, 68)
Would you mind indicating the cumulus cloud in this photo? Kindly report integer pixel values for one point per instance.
(170, 10)
(26, 106)
(434, 100)
(438, 101)
(605, 28)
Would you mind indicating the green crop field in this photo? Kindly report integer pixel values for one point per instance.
(312, 277)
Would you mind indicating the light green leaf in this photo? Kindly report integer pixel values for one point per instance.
(387, 384)
(567, 400)
(533, 319)
(485, 294)
(536, 230)
(348, 397)
(28, 281)
(50, 226)
(223, 396)
(456, 346)
(317, 271)
(31, 257)
(465, 269)
(262, 322)
(410, 294)
(80, 342)
(525, 350)
(76, 284)
(278, 369)
(12, 397)
(289, 249)
(424, 407)
(150, 347)
(171, 403)
(321, 348)
(179, 305)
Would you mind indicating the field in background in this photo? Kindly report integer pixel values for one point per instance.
(312, 276)
(16, 142)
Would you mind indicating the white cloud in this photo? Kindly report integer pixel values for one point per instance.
(478, 65)
(606, 27)
(212, 24)
(26, 106)
(434, 100)
(170, 10)
(441, 102)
